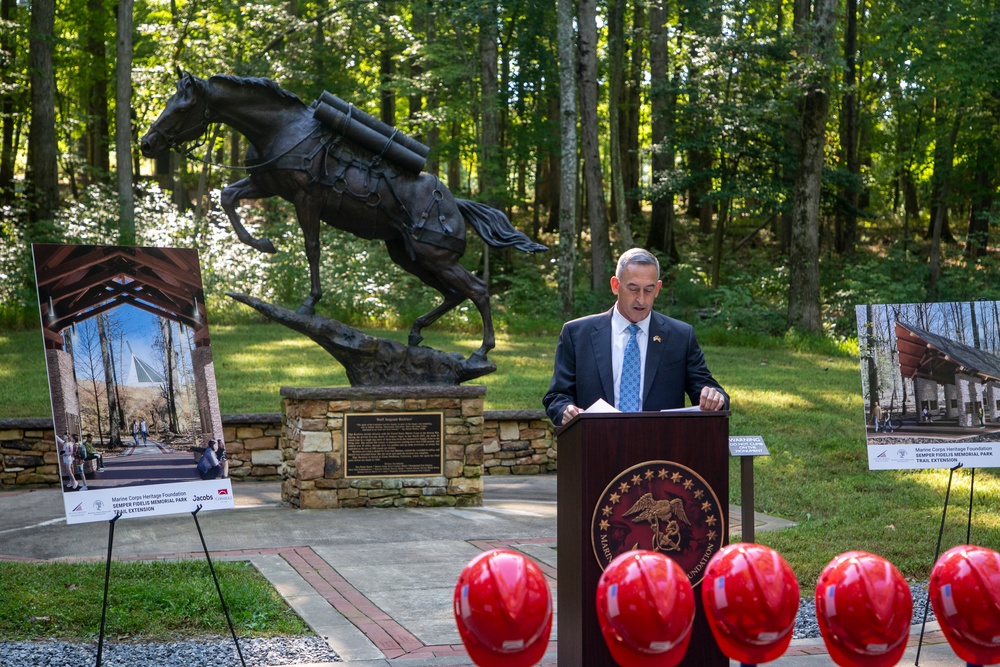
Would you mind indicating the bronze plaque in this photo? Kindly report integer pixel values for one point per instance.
(659, 506)
(394, 444)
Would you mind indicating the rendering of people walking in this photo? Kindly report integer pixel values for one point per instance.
(66, 451)
(144, 430)
(134, 429)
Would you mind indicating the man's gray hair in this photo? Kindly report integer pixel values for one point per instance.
(637, 256)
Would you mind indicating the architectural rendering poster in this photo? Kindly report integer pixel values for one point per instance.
(131, 379)
(930, 378)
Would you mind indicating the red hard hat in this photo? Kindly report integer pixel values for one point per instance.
(751, 598)
(965, 594)
(503, 608)
(864, 609)
(645, 605)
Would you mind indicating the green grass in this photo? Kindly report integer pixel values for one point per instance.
(806, 405)
(63, 601)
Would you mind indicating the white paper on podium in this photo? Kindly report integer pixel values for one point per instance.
(600, 405)
(691, 408)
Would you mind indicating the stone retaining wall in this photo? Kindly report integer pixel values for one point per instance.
(518, 442)
(515, 442)
(28, 456)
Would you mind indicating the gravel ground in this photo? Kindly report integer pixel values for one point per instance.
(807, 627)
(206, 651)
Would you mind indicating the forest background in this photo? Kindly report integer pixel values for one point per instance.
(785, 159)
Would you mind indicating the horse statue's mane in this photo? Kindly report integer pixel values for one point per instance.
(260, 83)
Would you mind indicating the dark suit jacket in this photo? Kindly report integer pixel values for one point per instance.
(674, 366)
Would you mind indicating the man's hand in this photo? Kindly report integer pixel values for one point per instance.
(712, 399)
(570, 412)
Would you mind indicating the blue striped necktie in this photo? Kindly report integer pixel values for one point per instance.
(628, 389)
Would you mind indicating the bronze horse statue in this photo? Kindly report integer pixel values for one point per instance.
(331, 179)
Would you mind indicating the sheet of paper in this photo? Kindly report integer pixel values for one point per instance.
(693, 408)
(600, 405)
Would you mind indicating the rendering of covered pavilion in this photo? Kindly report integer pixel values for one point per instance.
(968, 376)
(78, 282)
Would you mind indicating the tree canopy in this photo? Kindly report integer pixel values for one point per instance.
(788, 158)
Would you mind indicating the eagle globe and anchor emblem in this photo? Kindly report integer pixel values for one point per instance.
(659, 506)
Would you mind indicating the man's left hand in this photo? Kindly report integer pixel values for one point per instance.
(712, 399)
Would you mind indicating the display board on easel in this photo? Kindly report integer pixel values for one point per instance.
(930, 377)
(129, 362)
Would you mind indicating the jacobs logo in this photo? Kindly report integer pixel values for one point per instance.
(659, 506)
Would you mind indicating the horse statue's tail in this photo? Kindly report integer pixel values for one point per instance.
(494, 227)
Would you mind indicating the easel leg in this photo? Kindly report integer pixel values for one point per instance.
(107, 580)
(968, 525)
(937, 552)
(211, 568)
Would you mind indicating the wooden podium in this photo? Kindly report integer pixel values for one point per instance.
(611, 467)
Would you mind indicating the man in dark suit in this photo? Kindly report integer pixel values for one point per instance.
(594, 353)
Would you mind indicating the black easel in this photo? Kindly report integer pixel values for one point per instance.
(225, 609)
(107, 579)
(937, 551)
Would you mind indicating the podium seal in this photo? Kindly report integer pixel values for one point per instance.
(659, 506)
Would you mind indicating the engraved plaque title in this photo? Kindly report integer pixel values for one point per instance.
(396, 444)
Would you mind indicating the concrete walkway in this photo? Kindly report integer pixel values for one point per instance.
(375, 584)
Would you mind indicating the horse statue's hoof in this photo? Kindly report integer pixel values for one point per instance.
(305, 310)
(414, 340)
(477, 365)
(478, 358)
(265, 245)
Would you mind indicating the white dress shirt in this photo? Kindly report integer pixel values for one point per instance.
(619, 339)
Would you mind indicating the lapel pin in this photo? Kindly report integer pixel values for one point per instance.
(656, 339)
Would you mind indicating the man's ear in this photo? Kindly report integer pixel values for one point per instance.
(615, 284)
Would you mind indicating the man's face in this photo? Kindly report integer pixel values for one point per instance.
(636, 290)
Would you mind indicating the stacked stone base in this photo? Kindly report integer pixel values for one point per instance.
(313, 456)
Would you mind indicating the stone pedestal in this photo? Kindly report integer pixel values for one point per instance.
(313, 452)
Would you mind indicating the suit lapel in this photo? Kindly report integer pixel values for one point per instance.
(654, 350)
(600, 339)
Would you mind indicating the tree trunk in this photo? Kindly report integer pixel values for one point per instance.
(616, 38)
(870, 366)
(387, 91)
(633, 104)
(170, 376)
(977, 244)
(454, 162)
(801, 14)
(568, 162)
(943, 160)
(600, 251)
(490, 168)
(42, 180)
(938, 223)
(974, 325)
(94, 78)
(114, 431)
(8, 49)
(123, 124)
(551, 183)
(663, 112)
(804, 289)
(845, 237)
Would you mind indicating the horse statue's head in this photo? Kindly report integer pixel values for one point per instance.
(186, 117)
